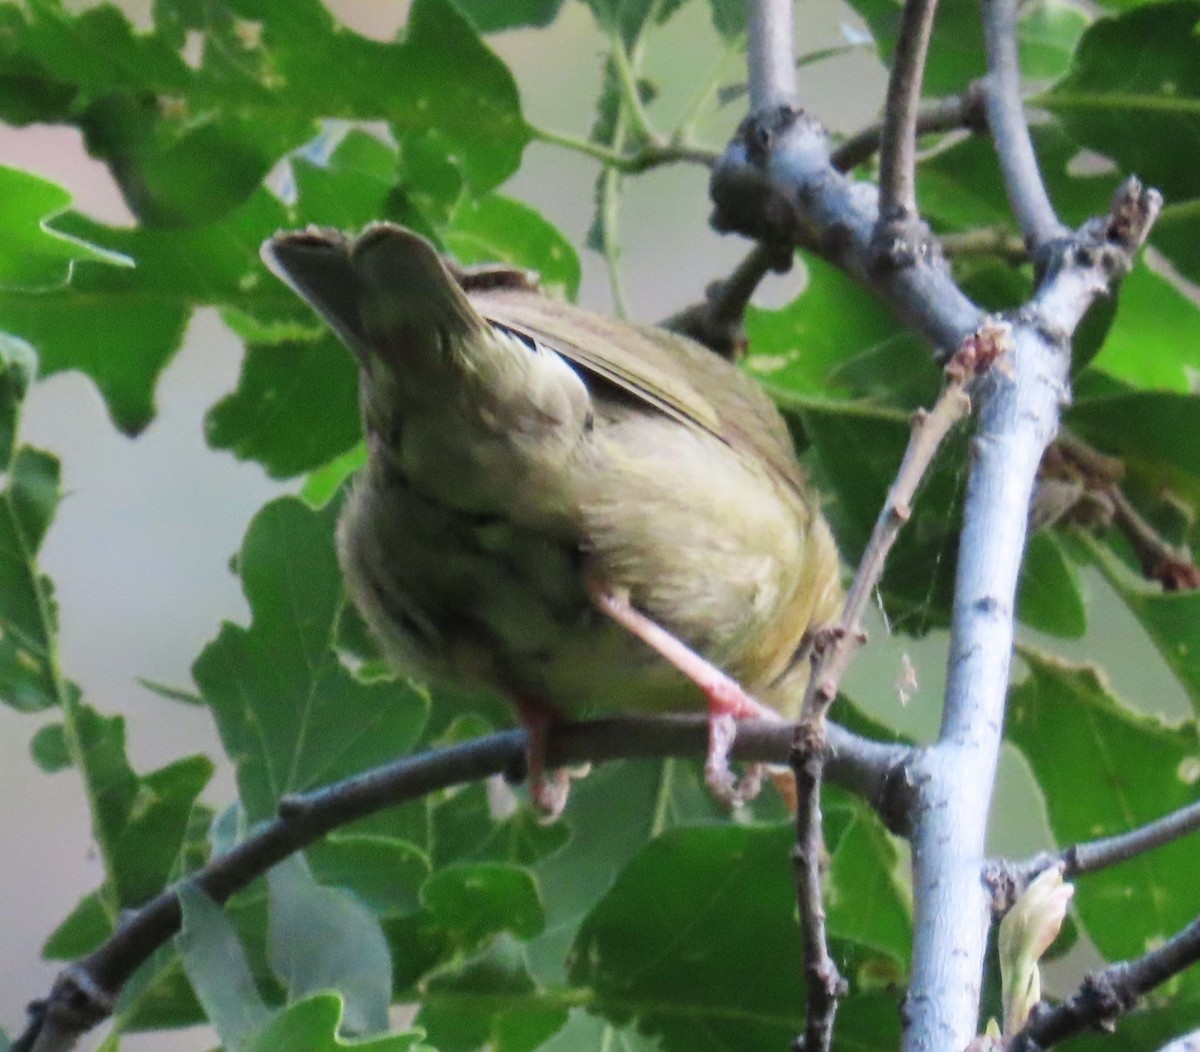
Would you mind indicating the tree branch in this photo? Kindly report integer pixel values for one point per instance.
(1018, 418)
(898, 140)
(967, 110)
(1006, 118)
(646, 156)
(1171, 567)
(822, 980)
(770, 61)
(717, 322)
(986, 241)
(1099, 479)
(1104, 997)
(831, 657)
(84, 993)
(929, 429)
(1007, 879)
(774, 183)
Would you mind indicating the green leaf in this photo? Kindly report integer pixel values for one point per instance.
(1122, 770)
(1172, 621)
(1154, 341)
(728, 18)
(384, 873)
(867, 903)
(139, 822)
(36, 257)
(217, 968)
(698, 942)
(1177, 235)
(28, 616)
(472, 900)
(1134, 86)
(465, 829)
(490, 16)
(829, 343)
(1049, 598)
(477, 109)
(295, 407)
(1157, 428)
(158, 996)
(49, 748)
(85, 928)
(288, 711)
(122, 326)
(631, 18)
(613, 812)
(325, 939)
(1047, 36)
(499, 229)
(322, 484)
(189, 143)
(491, 1001)
(312, 1026)
(961, 188)
(1047, 31)
(696, 905)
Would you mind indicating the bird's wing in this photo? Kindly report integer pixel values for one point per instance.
(657, 367)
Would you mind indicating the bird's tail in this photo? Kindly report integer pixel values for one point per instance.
(386, 293)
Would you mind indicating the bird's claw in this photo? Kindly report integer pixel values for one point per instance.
(720, 779)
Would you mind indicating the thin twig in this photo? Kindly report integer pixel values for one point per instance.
(609, 205)
(967, 110)
(1009, 879)
(647, 156)
(974, 358)
(1094, 855)
(1104, 997)
(1006, 118)
(985, 241)
(898, 140)
(717, 322)
(823, 982)
(1101, 475)
(1161, 561)
(627, 81)
(85, 992)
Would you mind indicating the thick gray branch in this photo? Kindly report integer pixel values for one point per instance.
(770, 56)
(775, 183)
(1018, 418)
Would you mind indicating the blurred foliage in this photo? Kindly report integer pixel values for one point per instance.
(644, 918)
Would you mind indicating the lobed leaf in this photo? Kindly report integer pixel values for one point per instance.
(288, 711)
(1122, 770)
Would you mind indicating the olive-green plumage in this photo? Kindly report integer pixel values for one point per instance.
(520, 448)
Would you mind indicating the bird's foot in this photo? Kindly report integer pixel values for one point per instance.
(547, 789)
(727, 701)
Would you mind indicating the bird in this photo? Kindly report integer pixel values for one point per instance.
(577, 513)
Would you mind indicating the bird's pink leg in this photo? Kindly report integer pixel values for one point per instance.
(727, 701)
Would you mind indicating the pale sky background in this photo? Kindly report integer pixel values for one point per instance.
(140, 547)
